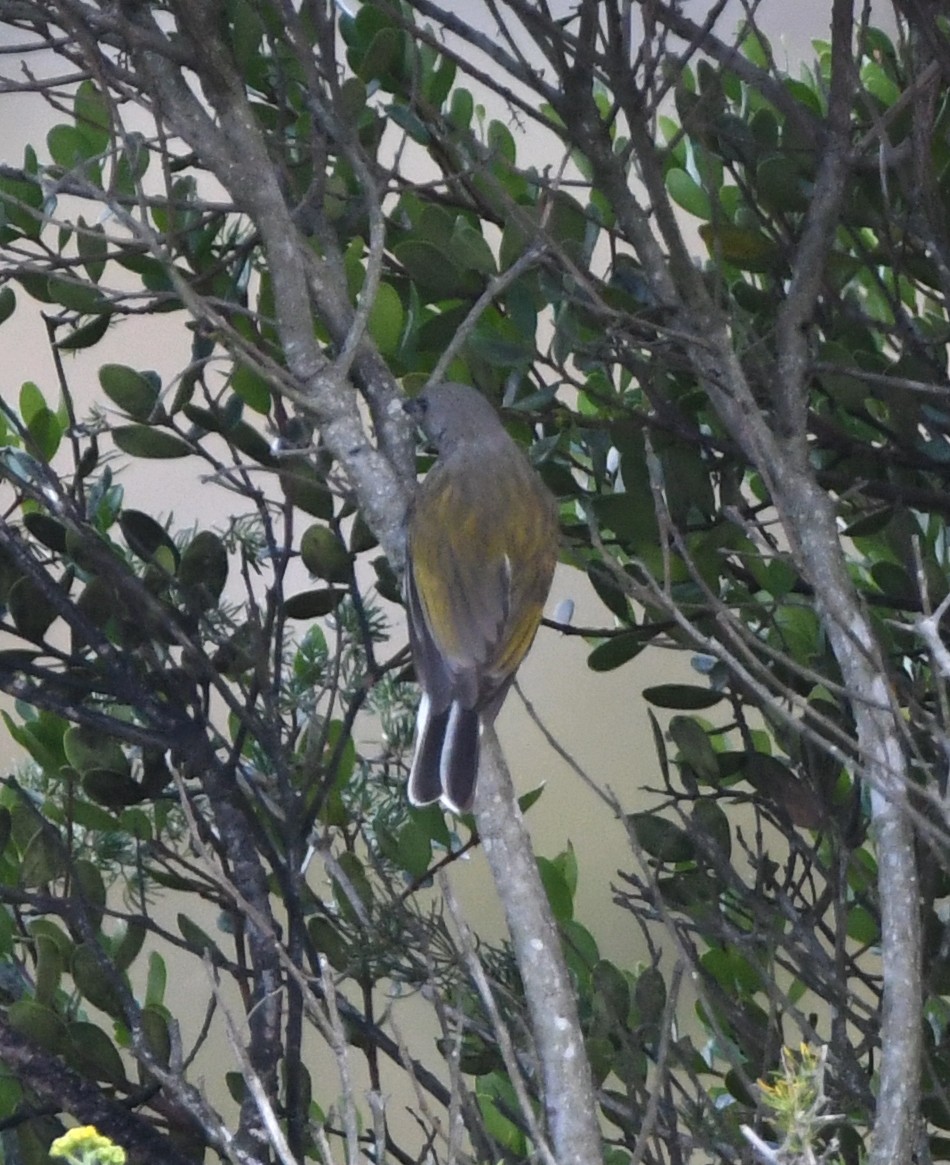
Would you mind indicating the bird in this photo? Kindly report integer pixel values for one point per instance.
(482, 544)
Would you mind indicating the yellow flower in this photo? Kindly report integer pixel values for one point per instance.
(85, 1145)
(798, 1089)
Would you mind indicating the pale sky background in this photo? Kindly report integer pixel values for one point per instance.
(600, 719)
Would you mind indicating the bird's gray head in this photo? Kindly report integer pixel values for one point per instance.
(454, 414)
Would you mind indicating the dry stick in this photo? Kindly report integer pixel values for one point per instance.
(338, 1045)
(422, 1100)
(278, 1142)
(323, 1145)
(552, 741)
(377, 1106)
(764, 1150)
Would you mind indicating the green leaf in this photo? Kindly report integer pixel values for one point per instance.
(6, 826)
(386, 581)
(496, 1097)
(304, 488)
(461, 109)
(362, 537)
(609, 590)
(252, 388)
(78, 297)
(469, 250)
(88, 748)
(198, 941)
(20, 209)
(314, 604)
(126, 949)
(42, 738)
(92, 1052)
(895, 582)
(427, 264)
(203, 570)
(50, 531)
(155, 1026)
(557, 890)
(626, 515)
(134, 393)
(67, 146)
(660, 838)
(325, 555)
(91, 889)
(30, 609)
(238, 433)
(616, 651)
(414, 848)
(91, 111)
(501, 142)
(580, 948)
(687, 193)
(780, 185)
(755, 47)
(132, 163)
(93, 980)
(143, 441)
(157, 979)
(440, 83)
(611, 993)
(649, 994)
(94, 817)
(386, 319)
(351, 882)
(862, 926)
(93, 247)
(681, 696)
(326, 938)
(247, 32)
(87, 335)
(146, 538)
(39, 1024)
(879, 84)
(49, 967)
(7, 303)
(32, 402)
(714, 826)
(382, 56)
(696, 750)
(46, 433)
(526, 800)
(746, 248)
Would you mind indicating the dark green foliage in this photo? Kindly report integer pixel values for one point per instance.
(197, 714)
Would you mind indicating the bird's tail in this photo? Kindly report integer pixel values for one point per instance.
(445, 759)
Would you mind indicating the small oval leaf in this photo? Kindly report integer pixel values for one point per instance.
(685, 697)
(143, 441)
(314, 604)
(134, 393)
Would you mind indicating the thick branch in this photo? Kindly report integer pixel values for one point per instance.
(569, 1099)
